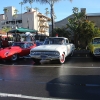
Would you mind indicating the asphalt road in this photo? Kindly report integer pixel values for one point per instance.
(77, 79)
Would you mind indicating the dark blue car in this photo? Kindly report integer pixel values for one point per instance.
(39, 43)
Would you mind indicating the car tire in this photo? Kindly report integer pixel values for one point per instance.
(62, 59)
(36, 61)
(14, 57)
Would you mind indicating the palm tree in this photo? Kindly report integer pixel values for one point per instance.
(15, 16)
(5, 11)
(21, 3)
(29, 1)
(47, 12)
(26, 8)
(36, 8)
(51, 3)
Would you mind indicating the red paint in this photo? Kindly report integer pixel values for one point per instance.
(7, 52)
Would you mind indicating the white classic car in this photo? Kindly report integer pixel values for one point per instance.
(53, 48)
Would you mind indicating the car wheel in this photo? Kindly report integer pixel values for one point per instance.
(14, 57)
(36, 61)
(62, 59)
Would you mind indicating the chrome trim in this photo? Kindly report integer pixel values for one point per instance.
(47, 57)
(48, 53)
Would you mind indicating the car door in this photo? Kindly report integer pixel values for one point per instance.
(24, 50)
(67, 47)
(27, 49)
(29, 46)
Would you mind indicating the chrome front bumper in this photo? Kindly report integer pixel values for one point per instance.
(44, 57)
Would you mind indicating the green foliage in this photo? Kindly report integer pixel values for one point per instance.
(6, 29)
(62, 32)
(82, 29)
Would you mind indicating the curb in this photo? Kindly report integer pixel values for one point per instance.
(81, 51)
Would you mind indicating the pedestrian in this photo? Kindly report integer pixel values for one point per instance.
(5, 43)
(0, 41)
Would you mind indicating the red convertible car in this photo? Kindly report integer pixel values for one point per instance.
(18, 49)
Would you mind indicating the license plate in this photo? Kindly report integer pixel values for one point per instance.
(43, 56)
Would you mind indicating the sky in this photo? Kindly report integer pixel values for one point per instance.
(62, 9)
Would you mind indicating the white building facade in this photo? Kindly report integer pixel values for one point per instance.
(31, 19)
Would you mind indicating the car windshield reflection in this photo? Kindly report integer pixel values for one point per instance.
(19, 44)
(96, 41)
(54, 41)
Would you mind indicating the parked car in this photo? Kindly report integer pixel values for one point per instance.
(94, 46)
(38, 43)
(18, 49)
(52, 49)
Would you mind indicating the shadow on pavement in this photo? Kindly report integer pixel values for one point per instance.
(75, 87)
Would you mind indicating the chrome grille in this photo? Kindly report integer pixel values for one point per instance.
(51, 53)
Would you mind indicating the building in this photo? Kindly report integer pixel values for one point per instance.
(31, 19)
(95, 17)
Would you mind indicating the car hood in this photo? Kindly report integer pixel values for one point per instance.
(47, 48)
(8, 49)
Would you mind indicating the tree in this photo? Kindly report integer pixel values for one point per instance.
(6, 29)
(36, 8)
(26, 8)
(15, 16)
(81, 28)
(21, 3)
(47, 12)
(5, 11)
(88, 31)
(51, 3)
(29, 1)
(62, 32)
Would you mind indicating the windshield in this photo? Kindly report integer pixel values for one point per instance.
(54, 41)
(96, 41)
(18, 44)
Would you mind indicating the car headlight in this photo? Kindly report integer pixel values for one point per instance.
(97, 51)
(35, 53)
(6, 54)
(56, 53)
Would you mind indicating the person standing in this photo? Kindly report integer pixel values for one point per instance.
(28, 36)
(0, 41)
(5, 43)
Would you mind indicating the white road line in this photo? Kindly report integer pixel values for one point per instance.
(59, 66)
(28, 97)
(82, 67)
(15, 65)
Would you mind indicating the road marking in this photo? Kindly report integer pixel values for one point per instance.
(28, 97)
(15, 65)
(82, 67)
(51, 66)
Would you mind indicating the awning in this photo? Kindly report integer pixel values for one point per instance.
(22, 30)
